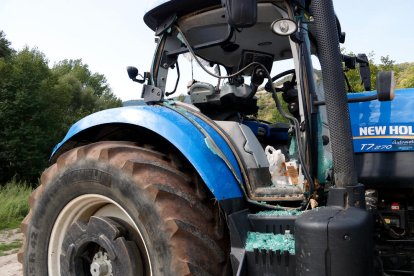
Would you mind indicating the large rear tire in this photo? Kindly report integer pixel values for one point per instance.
(113, 208)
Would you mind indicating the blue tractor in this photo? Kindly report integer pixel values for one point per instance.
(205, 188)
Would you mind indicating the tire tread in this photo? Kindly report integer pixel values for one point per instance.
(193, 227)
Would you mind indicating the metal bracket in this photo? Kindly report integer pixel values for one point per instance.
(152, 94)
(164, 26)
(168, 60)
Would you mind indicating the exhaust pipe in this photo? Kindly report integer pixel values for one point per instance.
(335, 93)
(335, 240)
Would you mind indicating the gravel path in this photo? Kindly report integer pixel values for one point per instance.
(9, 266)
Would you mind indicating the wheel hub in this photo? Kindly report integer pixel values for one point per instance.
(102, 247)
(101, 265)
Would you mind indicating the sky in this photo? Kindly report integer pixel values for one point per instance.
(109, 35)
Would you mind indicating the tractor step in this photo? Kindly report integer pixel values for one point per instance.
(263, 243)
(269, 194)
(267, 262)
(276, 222)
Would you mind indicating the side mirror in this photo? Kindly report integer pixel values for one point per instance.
(364, 71)
(240, 13)
(385, 86)
(350, 62)
(132, 72)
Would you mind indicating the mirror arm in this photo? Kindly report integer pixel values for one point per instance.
(364, 71)
(353, 100)
(133, 73)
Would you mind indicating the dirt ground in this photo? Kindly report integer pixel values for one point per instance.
(9, 266)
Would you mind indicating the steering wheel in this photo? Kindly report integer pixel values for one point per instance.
(291, 84)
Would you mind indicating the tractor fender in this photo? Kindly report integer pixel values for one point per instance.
(202, 145)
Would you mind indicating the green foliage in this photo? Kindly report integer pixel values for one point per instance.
(267, 109)
(354, 77)
(387, 64)
(81, 91)
(405, 76)
(5, 50)
(181, 98)
(13, 204)
(37, 106)
(96, 82)
(24, 132)
(404, 72)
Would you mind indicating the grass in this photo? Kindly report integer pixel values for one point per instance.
(5, 248)
(14, 204)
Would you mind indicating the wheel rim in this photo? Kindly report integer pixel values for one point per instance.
(83, 208)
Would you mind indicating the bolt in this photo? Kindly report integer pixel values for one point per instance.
(347, 237)
(99, 268)
(302, 126)
(325, 140)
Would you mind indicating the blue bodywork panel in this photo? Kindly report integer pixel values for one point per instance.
(383, 126)
(187, 133)
(271, 132)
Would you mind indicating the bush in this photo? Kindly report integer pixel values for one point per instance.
(14, 204)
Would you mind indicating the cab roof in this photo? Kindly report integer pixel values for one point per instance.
(160, 11)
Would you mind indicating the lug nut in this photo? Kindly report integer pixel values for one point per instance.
(99, 268)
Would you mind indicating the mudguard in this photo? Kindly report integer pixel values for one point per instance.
(205, 149)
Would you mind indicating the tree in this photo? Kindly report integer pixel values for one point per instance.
(5, 50)
(24, 133)
(37, 106)
(81, 72)
(387, 64)
(404, 73)
(405, 78)
(84, 92)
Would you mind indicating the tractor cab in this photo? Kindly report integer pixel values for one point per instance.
(238, 49)
(244, 51)
(207, 30)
